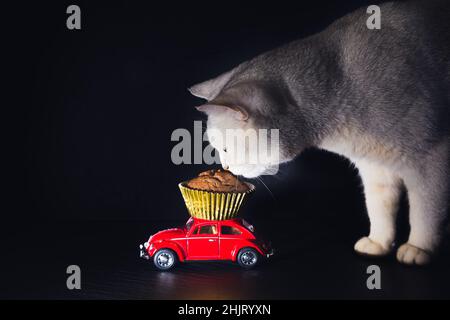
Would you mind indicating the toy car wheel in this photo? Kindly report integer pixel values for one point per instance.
(247, 258)
(164, 259)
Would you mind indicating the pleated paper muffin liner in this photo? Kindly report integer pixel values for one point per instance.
(211, 205)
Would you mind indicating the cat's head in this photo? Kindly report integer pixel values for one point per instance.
(242, 107)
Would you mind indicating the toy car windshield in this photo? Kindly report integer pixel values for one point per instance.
(189, 224)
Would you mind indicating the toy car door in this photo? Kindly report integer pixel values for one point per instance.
(230, 238)
(203, 243)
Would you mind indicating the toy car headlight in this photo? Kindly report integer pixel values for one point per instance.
(146, 245)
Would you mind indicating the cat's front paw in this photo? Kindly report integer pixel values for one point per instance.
(367, 246)
(411, 255)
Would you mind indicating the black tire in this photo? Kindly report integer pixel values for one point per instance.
(248, 258)
(165, 259)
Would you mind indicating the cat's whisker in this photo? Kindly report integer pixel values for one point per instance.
(271, 194)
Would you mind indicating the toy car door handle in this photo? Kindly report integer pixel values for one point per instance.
(211, 240)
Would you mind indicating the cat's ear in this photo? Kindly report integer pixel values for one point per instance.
(210, 89)
(215, 109)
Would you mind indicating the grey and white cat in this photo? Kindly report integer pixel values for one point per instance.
(378, 97)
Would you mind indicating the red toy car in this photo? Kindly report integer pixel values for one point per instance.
(199, 239)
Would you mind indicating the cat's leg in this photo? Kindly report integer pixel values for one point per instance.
(428, 201)
(382, 191)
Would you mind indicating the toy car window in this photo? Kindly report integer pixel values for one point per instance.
(230, 230)
(208, 229)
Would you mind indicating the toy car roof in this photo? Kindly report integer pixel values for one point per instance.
(235, 220)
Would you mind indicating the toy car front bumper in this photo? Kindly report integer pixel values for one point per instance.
(270, 253)
(143, 252)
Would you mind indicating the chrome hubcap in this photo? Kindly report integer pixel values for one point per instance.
(248, 258)
(165, 260)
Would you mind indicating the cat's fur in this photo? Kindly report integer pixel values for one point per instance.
(378, 97)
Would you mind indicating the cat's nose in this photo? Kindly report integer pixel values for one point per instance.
(225, 166)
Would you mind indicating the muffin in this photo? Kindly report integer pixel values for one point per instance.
(218, 181)
(215, 195)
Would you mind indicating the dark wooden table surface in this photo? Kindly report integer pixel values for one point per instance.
(311, 263)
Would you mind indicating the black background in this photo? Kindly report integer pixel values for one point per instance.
(89, 125)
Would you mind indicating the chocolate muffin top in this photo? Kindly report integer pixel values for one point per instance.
(218, 181)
